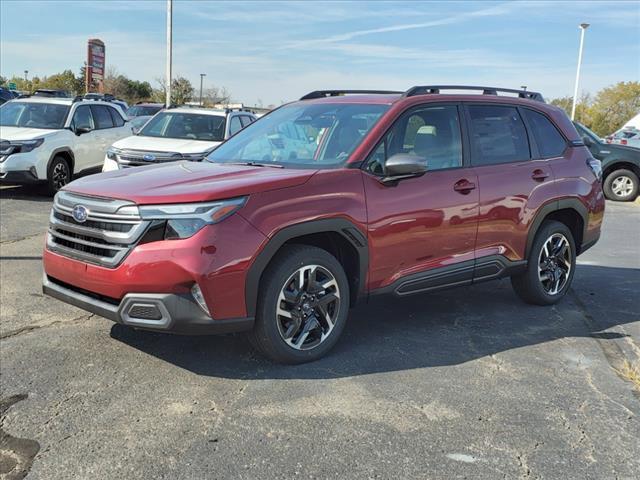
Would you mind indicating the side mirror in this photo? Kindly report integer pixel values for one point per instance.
(403, 165)
(80, 130)
(587, 141)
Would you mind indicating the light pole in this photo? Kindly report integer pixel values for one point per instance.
(583, 28)
(169, 47)
(26, 72)
(202, 75)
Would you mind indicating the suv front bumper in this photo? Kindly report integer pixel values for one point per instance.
(19, 177)
(167, 312)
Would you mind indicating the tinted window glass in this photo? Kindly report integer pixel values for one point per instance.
(235, 125)
(431, 133)
(82, 118)
(194, 126)
(116, 117)
(549, 141)
(245, 120)
(101, 116)
(498, 135)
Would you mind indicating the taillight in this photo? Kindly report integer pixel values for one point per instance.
(623, 141)
(596, 167)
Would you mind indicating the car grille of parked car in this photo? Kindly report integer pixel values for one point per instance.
(137, 158)
(103, 234)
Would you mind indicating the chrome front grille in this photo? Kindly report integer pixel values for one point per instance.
(110, 231)
(137, 158)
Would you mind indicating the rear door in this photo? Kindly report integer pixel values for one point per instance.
(422, 230)
(514, 180)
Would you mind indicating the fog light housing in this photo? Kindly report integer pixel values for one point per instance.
(196, 293)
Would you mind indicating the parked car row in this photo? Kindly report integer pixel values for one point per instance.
(50, 139)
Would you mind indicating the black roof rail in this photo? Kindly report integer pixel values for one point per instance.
(336, 93)
(435, 89)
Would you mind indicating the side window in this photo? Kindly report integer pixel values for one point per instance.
(101, 116)
(235, 126)
(431, 133)
(245, 120)
(548, 139)
(82, 118)
(117, 119)
(498, 135)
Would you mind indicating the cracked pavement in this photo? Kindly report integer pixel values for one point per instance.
(467, 383)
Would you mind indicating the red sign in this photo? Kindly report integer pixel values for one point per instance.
(95, 63)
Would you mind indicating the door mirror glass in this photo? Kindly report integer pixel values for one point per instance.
(405, 165)
(82, 129)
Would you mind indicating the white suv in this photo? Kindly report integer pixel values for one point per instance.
(177, 134)
(50, 139)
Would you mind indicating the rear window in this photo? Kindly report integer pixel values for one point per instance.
(498, 135)
(548, 139)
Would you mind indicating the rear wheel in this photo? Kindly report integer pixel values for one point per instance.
(621, 185)
(58, 174)
(550, 266)
(302, 307)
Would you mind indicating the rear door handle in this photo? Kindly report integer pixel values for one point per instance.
(464, 186)
(539, 175)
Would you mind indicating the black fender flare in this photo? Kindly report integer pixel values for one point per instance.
(66, 150)
(341, 226)
(554, 206)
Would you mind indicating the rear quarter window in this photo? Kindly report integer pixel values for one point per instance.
(549, 140)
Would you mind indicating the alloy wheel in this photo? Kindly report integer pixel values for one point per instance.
(59, 176)
(554, 263)
(622, 186)
(308, 306)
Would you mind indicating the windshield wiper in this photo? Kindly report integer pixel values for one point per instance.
(255, 164)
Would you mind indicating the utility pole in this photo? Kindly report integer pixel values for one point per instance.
(169, 47)
(583, 28)
(202, 75)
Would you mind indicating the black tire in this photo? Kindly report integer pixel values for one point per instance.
(612, 188)
(528, 285)
(58, 174)
(266, 336)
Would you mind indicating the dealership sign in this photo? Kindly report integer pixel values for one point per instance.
(95, 62)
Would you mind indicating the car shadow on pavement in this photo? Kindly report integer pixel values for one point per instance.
(34, 193)
(430, 330)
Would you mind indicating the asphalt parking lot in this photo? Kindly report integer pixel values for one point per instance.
(459, 384)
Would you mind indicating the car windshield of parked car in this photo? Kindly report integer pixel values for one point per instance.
(589, 133)
(313, 136)
(186, 126)
(138, 110)
(33, 115)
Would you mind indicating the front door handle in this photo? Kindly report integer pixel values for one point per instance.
(539, 175)
(464, 186)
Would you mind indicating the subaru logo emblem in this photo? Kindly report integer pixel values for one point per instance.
(148, 157)
(80, 213)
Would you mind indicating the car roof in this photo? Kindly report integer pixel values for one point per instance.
(201, 111)
(62, 101)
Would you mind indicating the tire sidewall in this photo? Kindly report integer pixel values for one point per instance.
(274, 278)
(608, 185)
(543, 235)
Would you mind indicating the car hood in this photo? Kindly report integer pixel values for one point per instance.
(24, 133)
(159, 144)
(184, 182)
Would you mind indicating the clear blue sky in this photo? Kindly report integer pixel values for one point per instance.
(277, 51)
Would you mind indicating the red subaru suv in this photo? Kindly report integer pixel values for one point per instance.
(326, 201)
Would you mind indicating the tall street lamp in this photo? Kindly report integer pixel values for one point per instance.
(583, 28)
(169, 47)
(202, 75)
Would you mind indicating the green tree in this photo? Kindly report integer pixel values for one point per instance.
(613, 106)
(181, 91)
(62, 81)
(2, 80)
(583, 107)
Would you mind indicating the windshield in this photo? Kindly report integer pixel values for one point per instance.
(33, 115)
(138, 111)
(588, 132)
(299, 135)
(185, 126)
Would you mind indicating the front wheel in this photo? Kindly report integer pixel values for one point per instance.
(302, 306)
(550, 267)
(621, 185)
(58, 174)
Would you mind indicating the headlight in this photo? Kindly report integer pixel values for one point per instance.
(185, 220)
(19, 146)
(112, 153)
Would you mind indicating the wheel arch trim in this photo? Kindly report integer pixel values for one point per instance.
(347, 229)
(65, 150)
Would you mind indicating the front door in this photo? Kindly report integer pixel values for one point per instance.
(422, 230)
